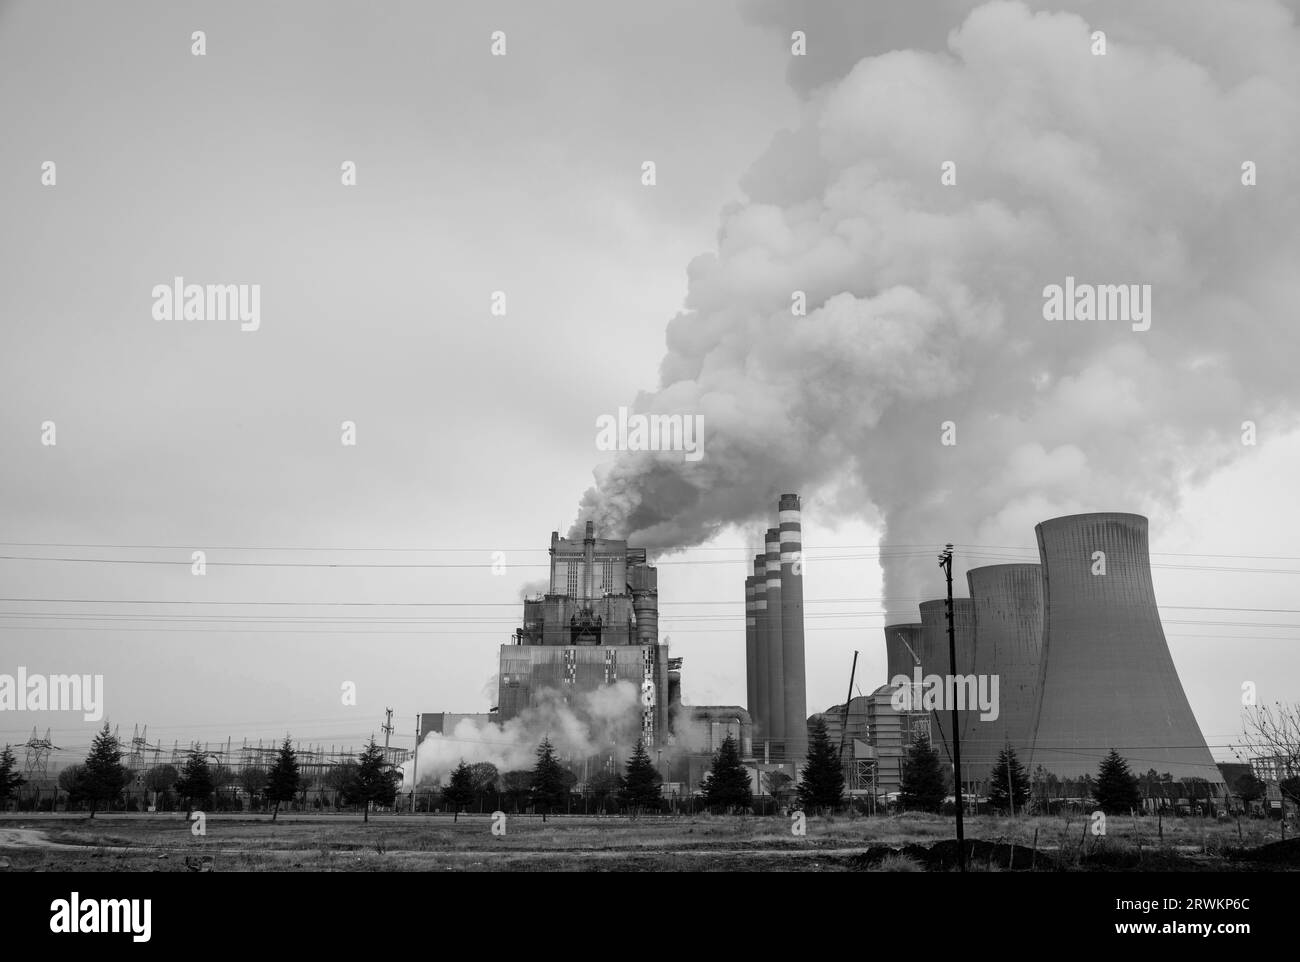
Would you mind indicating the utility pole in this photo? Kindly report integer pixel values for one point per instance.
(945, 562)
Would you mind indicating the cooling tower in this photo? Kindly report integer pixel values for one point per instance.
(901, 643)
(935, 659)
(790, 537)
(776, 730)
(762, 651)
(751, 652)
(1008, 605)
(1107, 679)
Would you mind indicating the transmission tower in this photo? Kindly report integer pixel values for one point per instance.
(36, 766)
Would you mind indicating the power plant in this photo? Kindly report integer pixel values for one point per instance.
(1067, 656)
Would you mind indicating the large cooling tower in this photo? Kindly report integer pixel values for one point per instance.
(790, 535)
(935, 659)
(775, 649)
(1107, 678)
(1008, 603)
(902, 643)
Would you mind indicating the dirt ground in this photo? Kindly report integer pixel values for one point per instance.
(909, 842)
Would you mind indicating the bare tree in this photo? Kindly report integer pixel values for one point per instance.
(1273, 732)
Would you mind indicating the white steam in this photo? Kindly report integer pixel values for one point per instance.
(925, 301)
(603, 721)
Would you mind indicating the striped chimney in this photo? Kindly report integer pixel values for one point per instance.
(751, 650)
(775, 647)
(795, 691)
(762, 710)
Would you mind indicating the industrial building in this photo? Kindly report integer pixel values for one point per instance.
(774, 640)
(597, 624)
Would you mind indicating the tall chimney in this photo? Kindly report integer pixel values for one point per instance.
(790, 538)
(751, 651)
(762, 649)
(644, 580)
(588, 560)
(775, 648)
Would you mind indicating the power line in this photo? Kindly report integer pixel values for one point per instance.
(920, 548)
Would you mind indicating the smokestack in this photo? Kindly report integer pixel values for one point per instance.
(762, 712)
(775, 649)
(1107, 678)
(902, 643)
(588, 560)
(751, 651)
(935, 659)
(644, 580)
(1008, 601)
(790, 545)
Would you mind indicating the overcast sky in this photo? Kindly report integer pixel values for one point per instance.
(475, 432)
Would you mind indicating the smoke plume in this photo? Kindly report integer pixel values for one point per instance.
(597, 722)
(925, 301)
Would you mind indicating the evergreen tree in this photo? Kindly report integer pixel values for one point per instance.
(640, 790)
(1116, 789)
(549, 782)
(376, 781)
(195, 782)
(1008, 783)
(10, 780)
(283, 778)
(103, 776)
(821, 781)
(923, 787)
(460, 789)
(727, 785)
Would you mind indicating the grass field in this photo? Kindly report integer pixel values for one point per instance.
(909, 842)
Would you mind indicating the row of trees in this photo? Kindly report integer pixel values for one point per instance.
(101, 779)
(1116, 790)
(547, 786)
